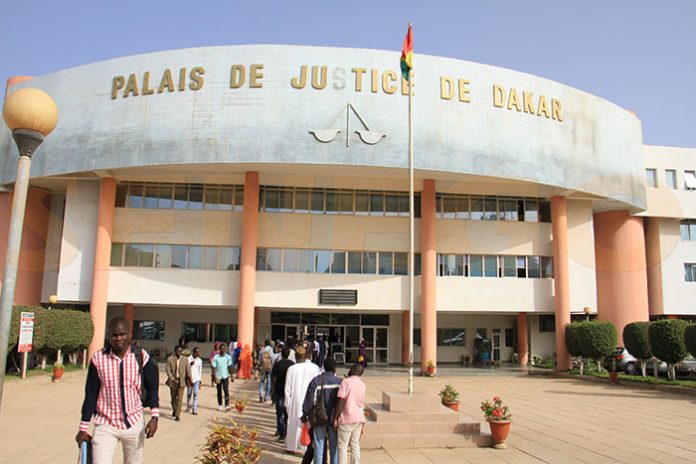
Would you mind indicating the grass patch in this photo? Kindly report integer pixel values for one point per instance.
(638, 378)
(36, 372)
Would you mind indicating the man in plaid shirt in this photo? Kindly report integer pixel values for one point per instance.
(112, 397)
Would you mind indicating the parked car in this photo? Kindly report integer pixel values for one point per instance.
(684, 369)
(625, 362)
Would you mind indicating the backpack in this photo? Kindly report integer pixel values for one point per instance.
(317, 414)
(138, 353)
(266, 363)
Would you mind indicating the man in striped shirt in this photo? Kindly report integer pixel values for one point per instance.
(112, 397)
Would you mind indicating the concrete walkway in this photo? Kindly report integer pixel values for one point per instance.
(554, 421)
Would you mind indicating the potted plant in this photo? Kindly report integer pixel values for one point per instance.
(448, 397)
(498, 417)
(230, 442)
(240, 404)
(58, 370)
(430, 367)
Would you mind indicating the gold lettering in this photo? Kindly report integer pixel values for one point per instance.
(339, 77)
(556, 110)
(514, 100)
(254, 75)
(237, 76)
(446, 88)
(117, 84)
(388, 82)
(196, 77)
(131, 86)
(147, 90)
(302, 81)
(527, 99)
(405, 86)
(319, 81)
(464, 91)
(182, 79)
(498, 96)
(358, 77)
(167, 81)
(543, 107)
(375, 81)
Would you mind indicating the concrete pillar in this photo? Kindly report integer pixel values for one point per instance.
(5, 212)
(622, 279)
(129, 313)
(428, 312)
(247, 275)
(561, 284)
(405, 336)
(522, 339)
(653, 259)
(102, 255)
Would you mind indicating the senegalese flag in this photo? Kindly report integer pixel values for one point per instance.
(407, 54)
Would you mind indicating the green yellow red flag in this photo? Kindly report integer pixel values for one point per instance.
(407, 54)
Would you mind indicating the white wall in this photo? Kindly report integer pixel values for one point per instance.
(541, 344)
(54, 239)
(679, 295)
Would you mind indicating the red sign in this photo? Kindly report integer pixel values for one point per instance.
(26, 332)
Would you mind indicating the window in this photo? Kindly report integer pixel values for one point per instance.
(163, 256)
(386, 263)
(687, 229)
(689, 180)
(369, 262)
(179, 253)
(490, 206)
(229, 259)
(476, 266)
(224, 332)
(547, 323)
(306, 258)
(148, 330)
(362, 204)
(338, 262)
(671, 178)
(302, 200)
(179, 196)
(477, 208)
(116, 254)
(135, 196)
(690, 272)
(194, 332)
(376, 203)
(291, 260)
(651, 177)
(400, 263)
(521, 267)
(531, 210)
(195, 257)
(510, 338)
(451, 337)
(533, 267)
(354, 262)
(509, 266)
(139, 255)
(195, 196)
(490, 266)
(546, 267)
(210, 258)
(322, 260)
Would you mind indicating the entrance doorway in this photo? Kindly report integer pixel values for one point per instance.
(376, 344)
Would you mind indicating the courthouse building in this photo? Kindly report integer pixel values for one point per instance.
(262, 191)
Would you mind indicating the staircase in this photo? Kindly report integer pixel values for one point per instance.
(419, 421)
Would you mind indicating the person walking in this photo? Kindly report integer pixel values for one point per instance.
(113, 398)
(265, 367)
(244, 370)
(196, 364)
(349, 417)
(222, 370)
(178, 378)
(278, 376)
(362, 353)
(297, 379)
(324, 388)
(216, 351)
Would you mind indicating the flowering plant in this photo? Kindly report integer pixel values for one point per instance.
(495, 410)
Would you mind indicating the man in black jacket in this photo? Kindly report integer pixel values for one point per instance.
(278, 373)
(324, 387)
(113, 398)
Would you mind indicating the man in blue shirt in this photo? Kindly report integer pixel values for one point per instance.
(222, 364)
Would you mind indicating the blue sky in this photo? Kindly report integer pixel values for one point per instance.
(638, 54)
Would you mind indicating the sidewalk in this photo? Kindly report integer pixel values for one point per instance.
(554, 421)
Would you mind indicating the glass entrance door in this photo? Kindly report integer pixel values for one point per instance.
(376, 344)
(496, 345)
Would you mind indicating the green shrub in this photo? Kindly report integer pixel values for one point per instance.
(667, 341)
(690, 339)
(54, 329)
(572, 339)
(39, 338)
(637, 340)
(597, 339)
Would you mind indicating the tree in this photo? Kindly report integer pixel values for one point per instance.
(597, 340)
(690, 339)
(67, 330)
(637, 342)
(667, 342)
(572, 340)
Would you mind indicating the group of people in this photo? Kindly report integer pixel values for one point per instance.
(297, 376)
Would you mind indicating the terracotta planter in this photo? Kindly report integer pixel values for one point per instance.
(614, 377)
(57, 373)
(453, 405)
(499, 432)
(431, 370)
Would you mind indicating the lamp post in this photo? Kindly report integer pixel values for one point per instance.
(31, 115)
(587, 310)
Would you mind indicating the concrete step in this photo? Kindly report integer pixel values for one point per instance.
(425, 440)
(415, 402)
(410, 428)
(439, 413)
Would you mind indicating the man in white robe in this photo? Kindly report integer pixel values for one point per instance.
(296, 382)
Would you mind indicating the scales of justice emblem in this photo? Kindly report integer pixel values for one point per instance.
(366, 135)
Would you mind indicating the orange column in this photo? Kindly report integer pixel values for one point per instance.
(561, 284)
(428, 256)
(653, 260)
(522, 339)
(405, 336)
(33, 249)
(622, 280)
(129, 313)
(102, 255)
(247, 275)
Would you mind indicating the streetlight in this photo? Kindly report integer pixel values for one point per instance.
(31, 115)
(587, 310)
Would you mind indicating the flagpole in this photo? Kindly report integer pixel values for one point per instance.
(411, 230)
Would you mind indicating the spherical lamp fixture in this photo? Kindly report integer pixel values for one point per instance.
(31, 114)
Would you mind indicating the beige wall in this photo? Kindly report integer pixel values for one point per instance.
(541, 344)
(581, 258)
(679, 295)
(663, 201)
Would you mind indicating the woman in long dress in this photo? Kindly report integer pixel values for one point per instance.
(297, 380)
(362, 357)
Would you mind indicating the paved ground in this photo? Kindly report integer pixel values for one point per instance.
(554, 421)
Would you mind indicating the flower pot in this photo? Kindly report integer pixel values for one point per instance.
(430, 370)
(614, 377)
(57, 373)
(499, 432)
(454, 405)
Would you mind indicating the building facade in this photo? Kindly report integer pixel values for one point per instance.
(248, 192)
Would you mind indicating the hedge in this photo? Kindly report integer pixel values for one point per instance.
(690, 339)
(54, 329)
(667, 340)
(572, 338)
(597, 339)
(637, 339)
